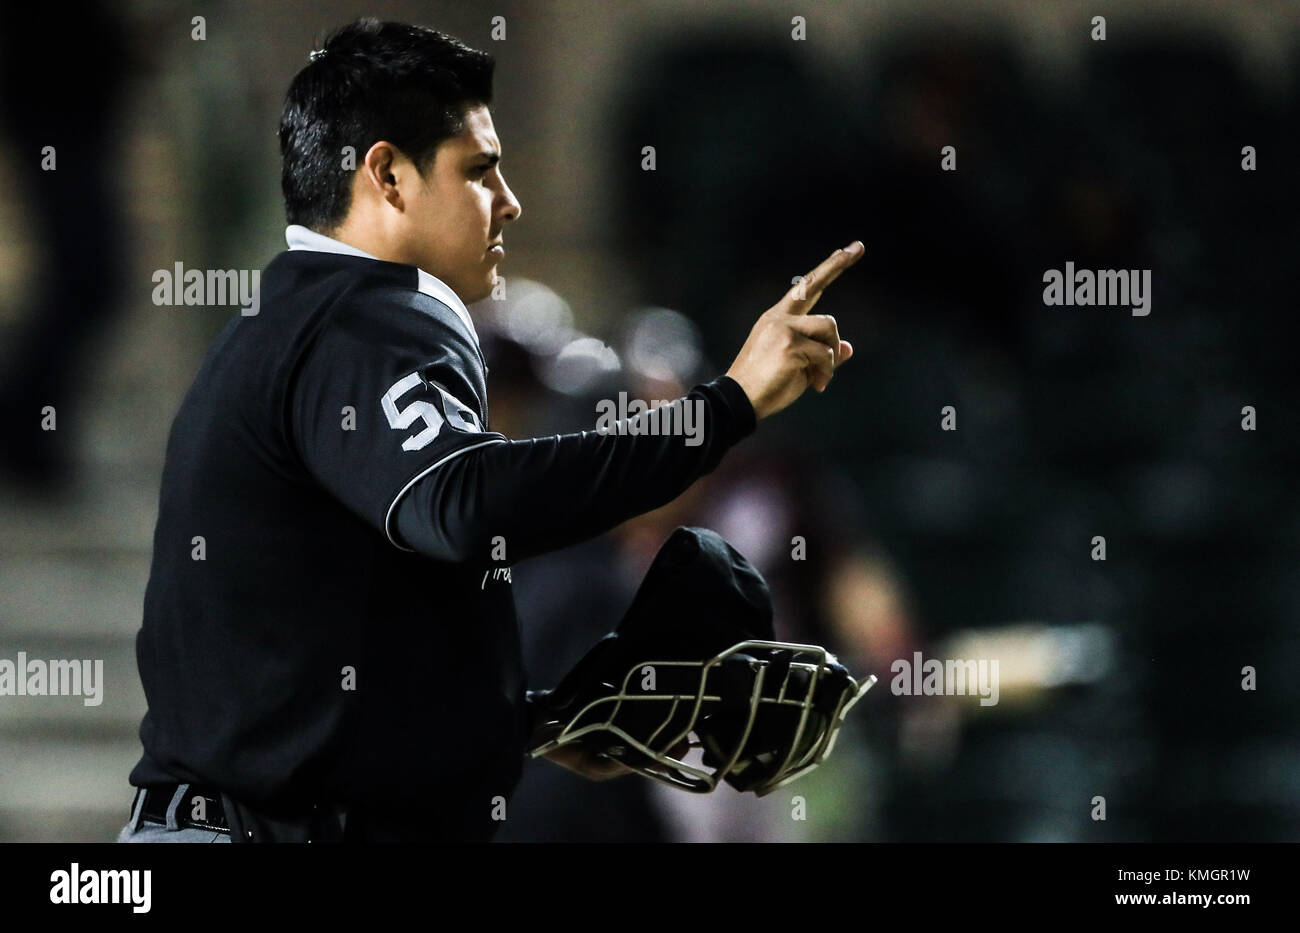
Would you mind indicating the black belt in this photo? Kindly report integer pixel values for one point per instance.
(317, 823)
(158, 799)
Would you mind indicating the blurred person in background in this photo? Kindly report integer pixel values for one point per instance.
(60, 120)
(843, 595)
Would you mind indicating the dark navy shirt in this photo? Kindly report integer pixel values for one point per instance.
(328, 617)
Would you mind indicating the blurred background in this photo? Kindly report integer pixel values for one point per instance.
(1120, 678)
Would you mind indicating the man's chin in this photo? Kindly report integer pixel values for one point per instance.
(483, 290)
(478, 294)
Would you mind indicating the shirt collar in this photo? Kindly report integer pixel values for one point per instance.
(300, 237)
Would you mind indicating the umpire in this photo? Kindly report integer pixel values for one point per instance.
(329, 644)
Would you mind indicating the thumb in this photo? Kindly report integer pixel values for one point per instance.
(846, 351)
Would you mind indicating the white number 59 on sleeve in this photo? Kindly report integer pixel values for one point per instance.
(459, 416)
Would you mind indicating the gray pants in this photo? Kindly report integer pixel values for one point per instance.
(137, 830)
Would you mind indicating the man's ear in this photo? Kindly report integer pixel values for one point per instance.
(382, 172)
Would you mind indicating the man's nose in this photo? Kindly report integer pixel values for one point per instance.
(511, 209)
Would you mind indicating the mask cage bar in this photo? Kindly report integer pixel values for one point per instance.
(663, 767)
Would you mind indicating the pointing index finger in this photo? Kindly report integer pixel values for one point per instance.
(801, 298)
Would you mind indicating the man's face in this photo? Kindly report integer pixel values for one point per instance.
(461, 208)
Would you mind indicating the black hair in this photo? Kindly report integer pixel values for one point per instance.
(371, 81)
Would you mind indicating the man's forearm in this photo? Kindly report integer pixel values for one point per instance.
(546, 493)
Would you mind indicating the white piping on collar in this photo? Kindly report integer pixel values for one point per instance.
(300, 237)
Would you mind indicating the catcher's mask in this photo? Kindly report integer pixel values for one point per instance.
(692, 665)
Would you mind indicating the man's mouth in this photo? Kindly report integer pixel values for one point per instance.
(497, 249)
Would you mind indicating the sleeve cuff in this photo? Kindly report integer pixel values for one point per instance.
(739, 413)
